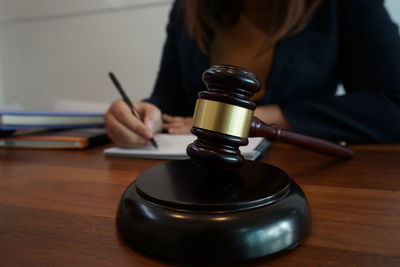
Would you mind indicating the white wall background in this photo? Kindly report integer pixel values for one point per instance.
(393, 6)
(52, 50)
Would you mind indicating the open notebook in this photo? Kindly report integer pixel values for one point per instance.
(174, 147)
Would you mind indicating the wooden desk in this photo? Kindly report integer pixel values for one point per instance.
(58, 207)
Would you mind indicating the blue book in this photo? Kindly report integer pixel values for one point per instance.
(16, 120)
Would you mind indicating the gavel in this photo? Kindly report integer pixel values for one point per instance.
(223, 120)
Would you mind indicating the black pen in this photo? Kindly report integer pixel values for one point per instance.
(129, 103)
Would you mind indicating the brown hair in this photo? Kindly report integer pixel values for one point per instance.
(285, 17)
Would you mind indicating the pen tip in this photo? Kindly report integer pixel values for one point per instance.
(153, 142)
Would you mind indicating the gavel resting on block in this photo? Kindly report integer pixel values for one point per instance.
(218, 207)
(223, 119)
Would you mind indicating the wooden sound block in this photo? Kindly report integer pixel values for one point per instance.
(183, 212)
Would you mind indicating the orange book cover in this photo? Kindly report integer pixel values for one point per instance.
(55, 139)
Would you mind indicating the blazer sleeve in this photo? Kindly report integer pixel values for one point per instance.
(167, 92)
(369, 68)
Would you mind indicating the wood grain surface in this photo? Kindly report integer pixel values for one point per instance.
(57, 208)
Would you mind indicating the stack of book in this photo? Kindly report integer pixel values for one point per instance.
(51, 130)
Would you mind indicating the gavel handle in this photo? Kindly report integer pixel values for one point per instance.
(273, 132)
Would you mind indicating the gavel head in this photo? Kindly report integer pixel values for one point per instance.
(222, 117)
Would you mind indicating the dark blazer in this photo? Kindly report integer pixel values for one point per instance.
(352, 42)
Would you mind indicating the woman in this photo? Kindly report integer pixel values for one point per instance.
(299, 49)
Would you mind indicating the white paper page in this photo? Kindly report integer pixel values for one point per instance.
(174, 147)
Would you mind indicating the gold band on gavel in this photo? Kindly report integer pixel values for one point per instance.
(222, 118)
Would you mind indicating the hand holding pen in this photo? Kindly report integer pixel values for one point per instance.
(129, 131)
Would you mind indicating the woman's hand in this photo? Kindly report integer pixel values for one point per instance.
(128, 131)
(177, 125)
(272, 114)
